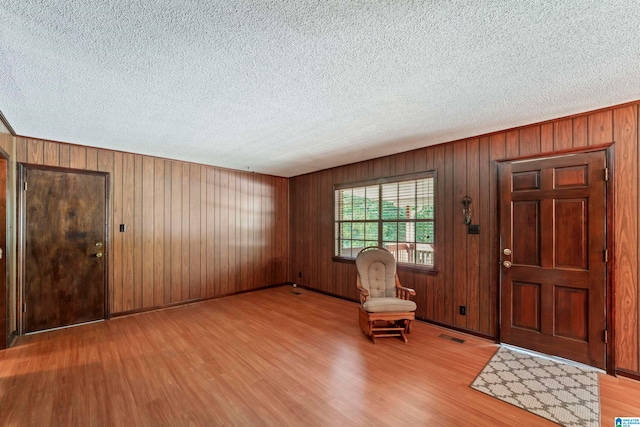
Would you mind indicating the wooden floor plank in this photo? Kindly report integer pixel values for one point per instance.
(270, 357)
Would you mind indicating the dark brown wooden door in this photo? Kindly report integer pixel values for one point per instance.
(553, 223)
(65, 229)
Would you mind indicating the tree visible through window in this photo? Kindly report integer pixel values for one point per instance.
(395, 214)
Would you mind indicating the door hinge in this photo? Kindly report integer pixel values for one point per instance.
(605, 336)
(24, 307)
(606, 255)
(606, 174)
(25, 186)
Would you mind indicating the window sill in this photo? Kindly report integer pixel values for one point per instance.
(401, 266)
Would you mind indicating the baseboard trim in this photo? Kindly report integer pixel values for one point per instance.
(320, 291)
(457, 329)
(628, 374)
(187, 302)
(442, 325)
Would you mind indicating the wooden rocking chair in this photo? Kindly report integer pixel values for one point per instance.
(386, 308)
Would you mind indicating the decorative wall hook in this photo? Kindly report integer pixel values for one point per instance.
(466, 201)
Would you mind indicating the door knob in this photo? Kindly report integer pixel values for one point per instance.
(506, 264)
(99, 255)
(506, 251)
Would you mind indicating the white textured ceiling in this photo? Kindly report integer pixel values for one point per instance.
(286, 87)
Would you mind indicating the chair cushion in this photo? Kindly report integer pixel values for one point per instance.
(388, 305)
(377, 270)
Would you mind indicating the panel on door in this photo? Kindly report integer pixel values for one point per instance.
(553, 228)
(64, 263)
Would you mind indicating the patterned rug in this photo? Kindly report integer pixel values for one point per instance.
(563, 393)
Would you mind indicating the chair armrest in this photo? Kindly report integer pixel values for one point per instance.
(404, 292)
(364, 294)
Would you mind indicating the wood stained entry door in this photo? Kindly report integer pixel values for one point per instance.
(64, 247)
(553, 234)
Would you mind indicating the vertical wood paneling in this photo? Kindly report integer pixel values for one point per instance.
(176, 232)
(563, 134)
(267, 229)
(77, 157)
(473, 240)
(185, 207)
(128, 237)
(530, 141)
(257, 239)
(546, 138)
(65, 156)
(459, 255)
(513, 144)
(484, 244)
(118, 237)
(204, 232)
(442, 233)
(401, 163)
(245, 221)
(430, 289)
(138, 243)
(92, 159)
(233, 195)
(51, 153)
(223, 241)
(579, 131)
(35, 151)
(195, 288)
(419, 161)
(148, 219)
(168, 239)
(21, 150)
(600, 128)
(448, 250)
(213, 232)
(159, 235)
(626, 237)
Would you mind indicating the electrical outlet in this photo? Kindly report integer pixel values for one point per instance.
(463, 310)
(123, 228)
(474, 229)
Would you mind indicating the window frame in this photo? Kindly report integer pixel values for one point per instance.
(379, 182)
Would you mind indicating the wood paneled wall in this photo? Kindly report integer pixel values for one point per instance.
(468, 272)
(193, 231)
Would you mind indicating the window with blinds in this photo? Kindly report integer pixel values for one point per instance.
(397, 214)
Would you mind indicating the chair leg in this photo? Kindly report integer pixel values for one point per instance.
(365, 324)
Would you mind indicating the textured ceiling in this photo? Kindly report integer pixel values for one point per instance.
(287, 87)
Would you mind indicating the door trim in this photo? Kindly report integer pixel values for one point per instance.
(5, 245)
(609, 151)
(21, 231)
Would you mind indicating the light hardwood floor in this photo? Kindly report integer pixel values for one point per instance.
(269, 357)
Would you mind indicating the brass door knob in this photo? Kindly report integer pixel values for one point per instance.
(506, 264)
(99, 255)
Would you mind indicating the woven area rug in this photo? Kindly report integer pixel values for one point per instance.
(563, 393)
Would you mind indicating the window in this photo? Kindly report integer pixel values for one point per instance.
(397, 214)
